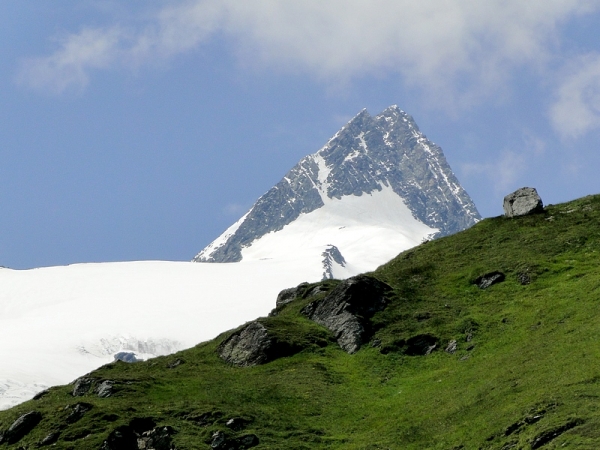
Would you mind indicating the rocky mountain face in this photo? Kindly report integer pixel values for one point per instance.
(368, 154)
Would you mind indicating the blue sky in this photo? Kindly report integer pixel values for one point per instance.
(141, 130)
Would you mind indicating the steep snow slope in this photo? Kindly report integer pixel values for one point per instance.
(365, 230)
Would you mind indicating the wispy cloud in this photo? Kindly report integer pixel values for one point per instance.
(457, 52)
(71, 64)
(511, 166)
(576, 110)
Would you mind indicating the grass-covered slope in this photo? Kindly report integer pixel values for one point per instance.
(525, 373)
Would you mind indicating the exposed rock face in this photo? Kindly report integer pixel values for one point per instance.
(140, 434)
(485, 281)
(288, 295)
(421, 345)
(105, 389)
(366, 155)
(331, 256)
(346, 309)
(522, 202)
(220, 441)
(250, 346)
(22, 426)
(50, 439)
(78, 411)
(82, 386)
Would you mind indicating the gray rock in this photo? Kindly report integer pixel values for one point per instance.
(159, 438)
(105, 389)
(421, 345)
(452, 346)
(485, 281)
(220, 441)
(237, 423)
(249, 346)
(522, 202)
(22, 426)
(82, 386)
(78, 411)
(50, 439)
(331, 256)
(346, 309)
(288, 295)
(121, 438)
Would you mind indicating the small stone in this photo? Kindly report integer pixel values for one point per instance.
(524, 279)
(78, 411)
(50, 439)
(105, 389)
(452, 346)
(487, 280)
(236, 423)
(219, 440)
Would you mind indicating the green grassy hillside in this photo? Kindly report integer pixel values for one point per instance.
(525, 372)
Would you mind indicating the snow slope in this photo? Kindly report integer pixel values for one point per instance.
(58, 323)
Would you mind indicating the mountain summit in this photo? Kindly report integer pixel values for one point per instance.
(368, 169)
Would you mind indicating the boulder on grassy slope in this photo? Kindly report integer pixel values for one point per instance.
(522, 202)
(346, 309)
(22, 426)
(249, 346)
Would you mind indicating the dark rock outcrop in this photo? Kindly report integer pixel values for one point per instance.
(237, 423)
(522, 202)
(140, 434)
(50, 439)
(82, 386)
(156, 439)
(22, 426)
(421, 345)
(288, 295)
(250, 346)
(220, 441)
(121, 438)
(485, 281)
(77, 412)
(253, 345)
(346, 310)
(547, 436)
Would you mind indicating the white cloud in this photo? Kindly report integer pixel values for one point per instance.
(70, 65)
(503, 173)
(511, 166)
(438, 46)
(576, 110)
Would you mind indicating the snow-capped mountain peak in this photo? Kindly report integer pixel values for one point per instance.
(368, 155)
